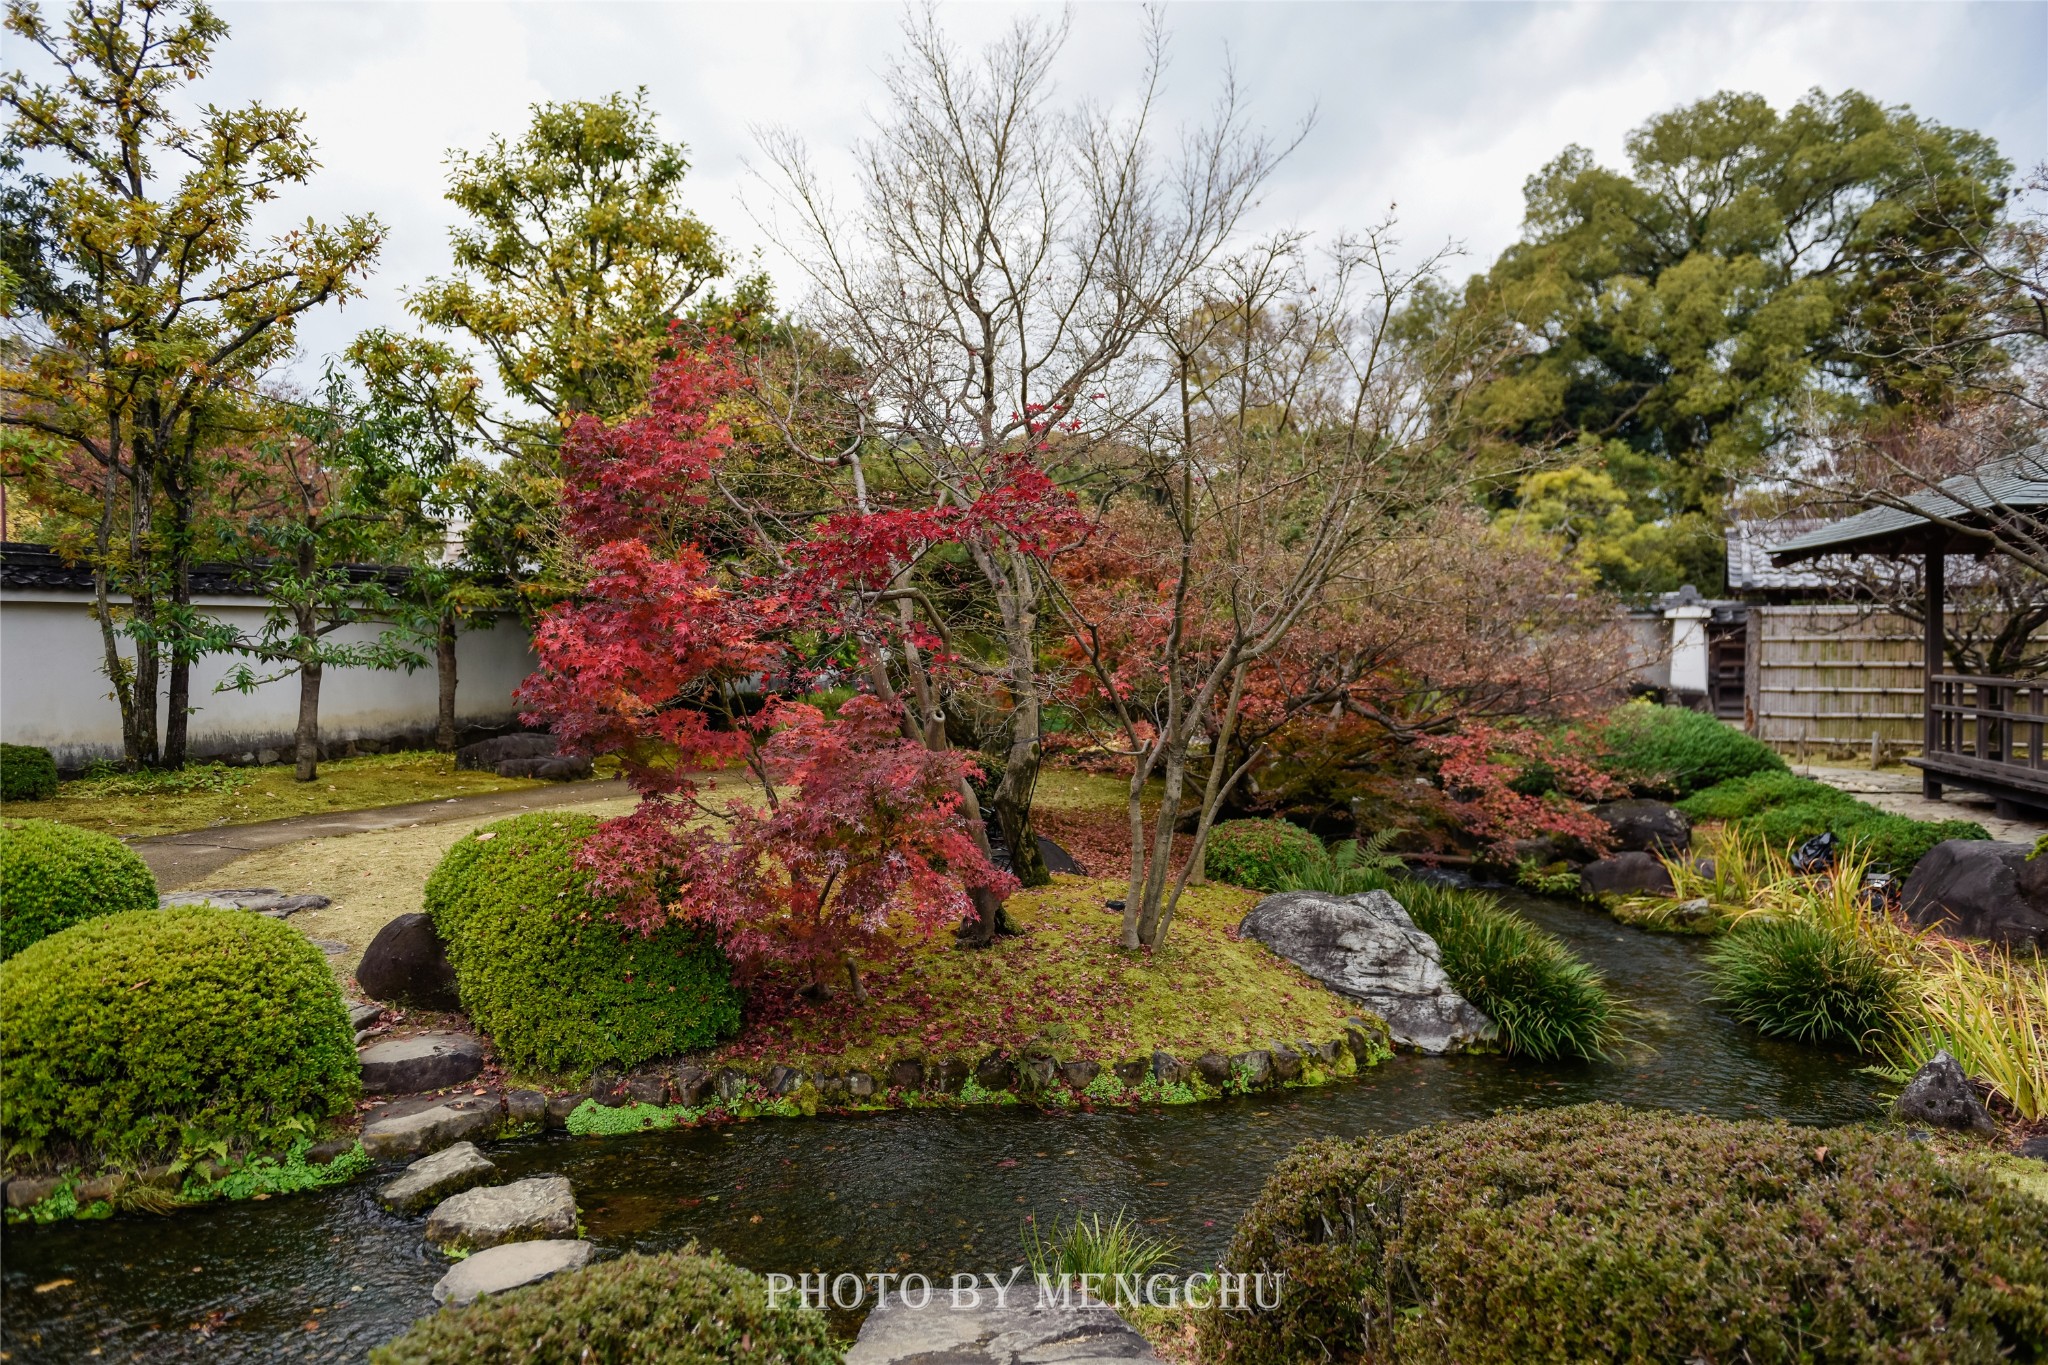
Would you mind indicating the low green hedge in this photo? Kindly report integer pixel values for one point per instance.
(1262, 855)
(557, 985)
(1671, 751)
(676, 1308)
(1603, 1233)
(1784, 810)
(26, 773)
(54, 875)
(134, 1035)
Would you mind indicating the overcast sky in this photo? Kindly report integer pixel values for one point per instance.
(1442, 109)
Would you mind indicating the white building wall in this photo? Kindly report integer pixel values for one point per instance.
(54, 693)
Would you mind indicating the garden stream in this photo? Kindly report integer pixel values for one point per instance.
(326, 1276)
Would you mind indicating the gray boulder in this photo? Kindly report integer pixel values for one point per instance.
(1022, 1332)
(262, 900)
(413, 1129)
(426, 1061)
(1644, 826)
(485, 755)
(1627, 874)
(407, 964)
(1941, 1096)
(529, 1210)
(433, 1178)
(1367, 948)
(1980, 889)
(507, 1266)
(550, 769)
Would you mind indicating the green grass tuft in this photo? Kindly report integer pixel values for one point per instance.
(1090, 1246)
(1802, 978)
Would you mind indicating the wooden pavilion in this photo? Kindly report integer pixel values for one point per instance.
(1987, 735)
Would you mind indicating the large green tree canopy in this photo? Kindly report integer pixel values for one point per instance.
(1687, 316)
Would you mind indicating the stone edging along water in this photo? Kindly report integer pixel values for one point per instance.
(693, 1096)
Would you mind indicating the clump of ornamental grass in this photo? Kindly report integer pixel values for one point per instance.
(1828, 968)
(1989, 1008)
(1549, 1002)
(1089, 1245)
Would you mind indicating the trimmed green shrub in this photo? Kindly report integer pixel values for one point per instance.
(26, 773)
(1806, 980)
(1603, 1233)
(1670, 751)
(557, 985)
(132, 1036)
(1548, 1001)
(1784, 810)
(1262, 855)
(676, 1308)
(1740, 797)
(54, 875)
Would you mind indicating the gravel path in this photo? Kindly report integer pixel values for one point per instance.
(1898, 790)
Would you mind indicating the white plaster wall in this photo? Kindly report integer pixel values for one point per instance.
(54, 694)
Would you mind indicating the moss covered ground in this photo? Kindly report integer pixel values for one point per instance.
(1061, 987)
(140, 805)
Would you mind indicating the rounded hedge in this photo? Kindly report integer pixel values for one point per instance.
(53, 876)
(1671, 751)
(26, 773)
(542, 970)
(676, 1308)
(1263, 855)
(1602, 1233)
(130, 1035)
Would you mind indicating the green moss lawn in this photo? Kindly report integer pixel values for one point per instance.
(1062, 987)
(139, 805)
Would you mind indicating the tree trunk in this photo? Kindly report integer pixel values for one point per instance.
(308, 746)
(178, 713)
(444, 663)
(1012, 802)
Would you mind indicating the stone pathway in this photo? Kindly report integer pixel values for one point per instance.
(181, 859)
(1898, 790)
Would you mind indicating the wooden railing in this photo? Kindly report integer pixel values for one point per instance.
(1990, 729)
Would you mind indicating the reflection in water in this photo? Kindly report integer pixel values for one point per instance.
(326, 1276)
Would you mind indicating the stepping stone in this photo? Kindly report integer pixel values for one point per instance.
(361, 1017)
(428, 1061)
(497, 1269)
(264, 900)
(1022, 1331)
(433, 1178)
(533, 1209)
(412, 1132)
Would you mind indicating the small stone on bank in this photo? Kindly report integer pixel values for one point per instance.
(497, 1269)
(1941, 1095)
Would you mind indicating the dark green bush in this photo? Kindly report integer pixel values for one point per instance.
(556, 984)
(1740, 797)
(1806, 980)
(26, 773)
(131, 1035)
(1263, 855)
(1670, 751)
(54, 875)
(677, 1308)
(1600, 1233)
(1549, 1002)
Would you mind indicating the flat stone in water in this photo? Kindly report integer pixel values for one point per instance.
(427, 1061)
(533, 1209)
(497, 1269)
(1366, 947)
(433, 1178)
(410, 1132)
(1023, 1332)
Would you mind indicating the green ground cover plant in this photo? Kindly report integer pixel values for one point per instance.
(676, 1308)
(1808, 979)
(1263, 855)
(1089, 1244)
(53, 876)
(208, 795)
(1603, 1233)
(1672, 751)
(26, 773)
(137, 1036)
(558, 987)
